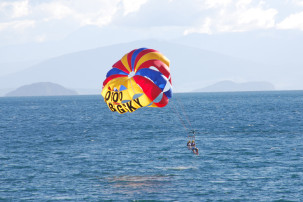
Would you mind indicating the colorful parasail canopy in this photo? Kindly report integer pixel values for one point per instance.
(141, 78)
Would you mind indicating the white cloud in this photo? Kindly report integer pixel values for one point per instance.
(298, 2)
(217, 3)
(131, 6)
(52, 10)
(93, 12)
(14, 9)
(97, 12)
(204, 28)
(40, 38)
(294, 21)
(253, 18)
(242, 4)
(18, 25)
(243, 15)
(53, 19)
(20, 9)
(58, 18)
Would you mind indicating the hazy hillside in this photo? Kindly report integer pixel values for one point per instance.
(265, 46)
(267, 55)
(191, 68)
(229, 86)
(274, 47)
(41, 89)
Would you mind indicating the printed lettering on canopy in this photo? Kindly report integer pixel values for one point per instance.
(141, 78)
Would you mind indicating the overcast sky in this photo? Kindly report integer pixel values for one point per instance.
(23, 21)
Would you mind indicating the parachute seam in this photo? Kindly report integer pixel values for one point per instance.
(132, 86)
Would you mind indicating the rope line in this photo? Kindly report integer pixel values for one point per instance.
(183, 111)
(180, 117)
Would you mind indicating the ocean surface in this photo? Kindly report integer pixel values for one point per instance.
(74, 148)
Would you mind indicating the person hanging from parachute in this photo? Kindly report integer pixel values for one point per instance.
(195, 150)
(191, 144)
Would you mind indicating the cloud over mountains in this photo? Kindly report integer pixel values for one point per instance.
(23, 21)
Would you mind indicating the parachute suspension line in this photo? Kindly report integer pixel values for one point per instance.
(180, 117)
(183, 116)
(184, 113)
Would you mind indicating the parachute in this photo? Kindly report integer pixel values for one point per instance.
(140, 79)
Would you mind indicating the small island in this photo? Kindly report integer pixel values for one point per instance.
(41, 89)
(230, 86)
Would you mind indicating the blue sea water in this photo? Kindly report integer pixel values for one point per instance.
(74, 148)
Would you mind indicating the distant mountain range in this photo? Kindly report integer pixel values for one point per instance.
(191, 68)
(230, 86)
(197, 60)
(41, 89)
